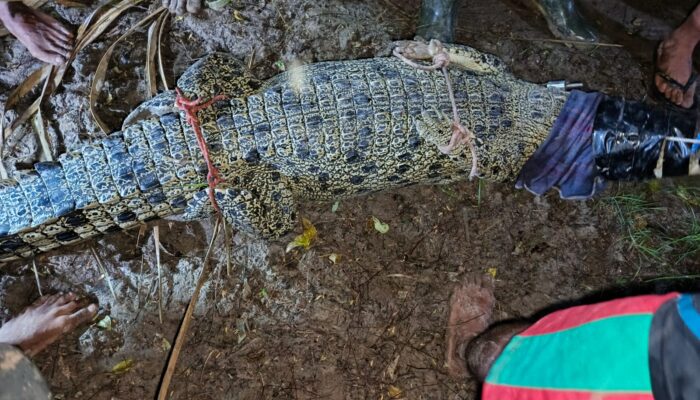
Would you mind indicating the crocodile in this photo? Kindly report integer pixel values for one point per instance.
(319, 132)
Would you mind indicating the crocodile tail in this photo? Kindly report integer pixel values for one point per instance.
(39, 212)
(101, 188)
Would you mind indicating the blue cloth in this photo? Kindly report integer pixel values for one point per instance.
(689, 314)
(565, 160)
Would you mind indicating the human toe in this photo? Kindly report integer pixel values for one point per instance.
(194, 6)
(81, 316)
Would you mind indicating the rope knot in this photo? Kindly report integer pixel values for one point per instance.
(441, 60)
(191, 108)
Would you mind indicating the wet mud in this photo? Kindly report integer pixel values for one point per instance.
(360, 313)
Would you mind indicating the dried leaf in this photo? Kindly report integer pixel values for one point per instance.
(335, 258)
(394, 392)
(304, 240)
(39, 128)
(69, 3)
(161, 69)
(380, 226)
(151, 48)
(27, 86)
(101, 70)
(218, 5)
(123, 366)
(105, 323)
(103, 16)
(335, 207)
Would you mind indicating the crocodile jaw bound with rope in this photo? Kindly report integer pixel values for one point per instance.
(319, 132)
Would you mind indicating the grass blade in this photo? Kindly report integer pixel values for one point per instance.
(161, 69)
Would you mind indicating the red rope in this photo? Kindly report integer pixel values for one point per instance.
(190, 108)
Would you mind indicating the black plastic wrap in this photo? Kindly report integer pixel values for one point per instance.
(628, 136)
(437, 20)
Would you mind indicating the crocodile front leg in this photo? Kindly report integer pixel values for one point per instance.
(257, 202)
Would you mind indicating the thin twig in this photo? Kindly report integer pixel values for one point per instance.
(3, 171)
(101, 268)
(36, 275)
(138, 285)
(184, 326)
(575, 42)
(156, 238)
(227, 246)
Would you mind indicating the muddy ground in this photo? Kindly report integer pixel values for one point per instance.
(297, 325)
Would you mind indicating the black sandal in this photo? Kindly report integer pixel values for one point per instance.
(659, 96)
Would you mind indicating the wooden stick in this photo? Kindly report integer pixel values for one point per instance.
(184, 326)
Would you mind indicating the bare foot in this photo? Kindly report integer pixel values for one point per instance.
(675, 61)
(180, 6)
(45, 321)
(45, 38)
(471, 305)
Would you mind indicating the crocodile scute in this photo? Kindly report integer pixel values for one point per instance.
(319, 132)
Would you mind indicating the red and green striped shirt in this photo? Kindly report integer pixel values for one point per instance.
(591, 352)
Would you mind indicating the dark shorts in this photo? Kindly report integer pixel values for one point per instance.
(19, 378)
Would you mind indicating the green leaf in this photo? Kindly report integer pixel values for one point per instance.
(123, 366)
(280, 65)
(105, 323)
(218, 5)
(335, 207)
(380, 226)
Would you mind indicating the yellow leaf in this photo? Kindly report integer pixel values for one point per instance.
(654, 186)
(334, 258)
(380, 226)
(165, 344)
(304, 240)
(492, 272)
(123, 366)
(238, 16)
(394, 392)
